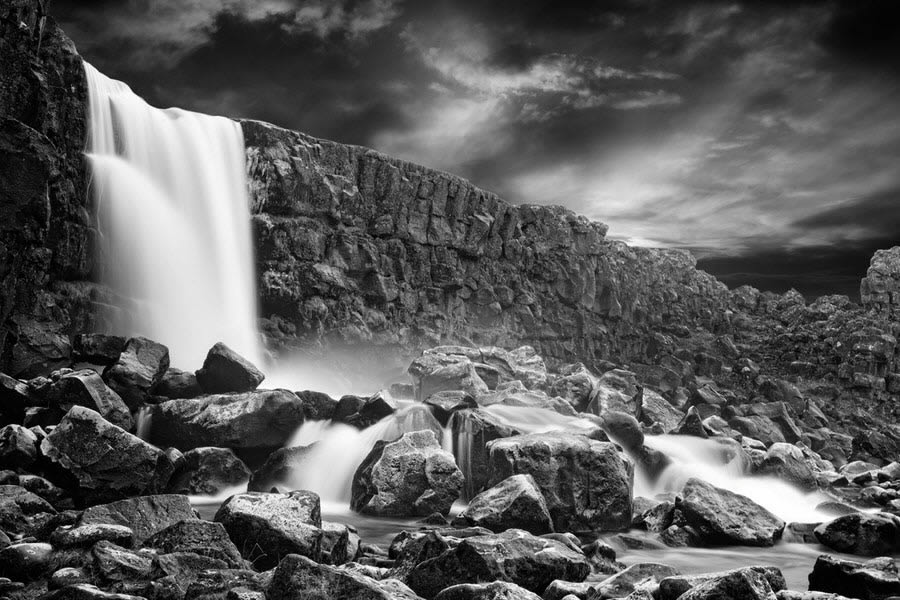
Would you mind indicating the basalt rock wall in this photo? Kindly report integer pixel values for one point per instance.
(358, 248)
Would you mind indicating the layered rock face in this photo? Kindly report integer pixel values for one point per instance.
(355, 246)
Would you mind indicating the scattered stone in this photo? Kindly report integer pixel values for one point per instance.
(26, 561)
(497, 590)
(634, 577)
(198, 537)
(748, 583)
(18, 506)
(86, 388)
(224, 370)
(177, 384)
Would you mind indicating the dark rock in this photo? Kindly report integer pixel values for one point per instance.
(725, 518)
(370, 412)
(691, 424)
(787, 462)
(15, 397)
(628, 580)
(26, 561)
(102, 460)
(339, 544)
(85, 536)
(656, 410)
(257, 419)
(278, 468)
(317, 406)
(177, 384)
(748, 580)
(299, 577)
(84, 591)
(514, 556)
(412, 476)
(145, 515)
(18, 447)
(224, 370)
(69, 576)
(86, 388)
(98, 348)
(861, 533)
(497, 590)
(434, 372)
(472, 430)
(208, 471)
(217, 585)
(873, 580)
(198, 537)
(623, 429)
(268, 527)
(139, 368)
(586, 483)
(616, 390)
(17, 506)
(514, 503)
(444, 404)
(114, 563)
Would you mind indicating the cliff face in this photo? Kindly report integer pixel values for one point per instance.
(358, 247)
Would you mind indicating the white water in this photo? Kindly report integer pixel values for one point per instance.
(174, 219)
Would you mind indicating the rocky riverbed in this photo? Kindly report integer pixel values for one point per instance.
(109, 463)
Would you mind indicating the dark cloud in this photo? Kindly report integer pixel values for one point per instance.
(766, 133)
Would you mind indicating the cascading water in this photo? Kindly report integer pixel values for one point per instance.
(173, 215)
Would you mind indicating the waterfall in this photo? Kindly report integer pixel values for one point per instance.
(173, 216)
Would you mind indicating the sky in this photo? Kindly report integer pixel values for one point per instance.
(762, 135)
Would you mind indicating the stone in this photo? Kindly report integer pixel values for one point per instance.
(98, 348)
(86, 388)
(497, 590)
(68, 576)
(144, 515)
(317, 406)
(787, 462)
(623, 429)
(200, 537)
(114, 563)
(137, 371)
(85, 536)
(412, 476)
(736, 584)
(268, 527)
(278, 469)
(177, 384)
(26, 561)
(208, 471)
(217, 585)
(224, 370)
(18, 447)
(472, 430)
(861, 533)
(257, 419)
(632, 578)
(514, 556)
(656, 410)
(514, 503)
(586, 483)
(691, 424)
(339, 544)
(444, 404)
(434, 372)
(725, 518)
(299, 577)
(616, 390)
(873, 580)
(102, 460)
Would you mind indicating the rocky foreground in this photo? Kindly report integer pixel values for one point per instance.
(88, 509)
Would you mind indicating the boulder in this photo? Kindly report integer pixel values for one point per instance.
(220, 584)
(85, 536)
(586, 483)
(208, 471)
(177, 384)
(268, 527)
(691, 424)
(514, 503)
(257, 419)
(85, 591)
(787, 462)
(145, 515)
(725, 518)
(616, 390)
(298, 577)
(86, 388)
(278, 468)
(112, 563)
(198, 537)
(317, 406)
(623, 429)
(739, 584)
(412, 476)
(575, 385)
(672, 588)
(657, 411)
(472, 430)
(497, 590)
(98, 348)
(18, 447)
(139, 368)
(434, 372)
(632, 578)
(444, 404)
(876, 579)
(104, 461)
(514, 556)
(224, 370)
(861, 533)
(26, 561)
(18, 506)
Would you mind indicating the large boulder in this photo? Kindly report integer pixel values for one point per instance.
(18, 447)
(514, 503)
(472, 430)
(268, 527)
(103, 461)
(139, 368)
(876, 579)
(586, 483)
(637, 576)
(144, 515)
(412, 476)
(616, 390)
(861, 533)
(86, 388)
(98, 348)
(257, 419)
(748, 583)
(208, 471)
(657, 411)
(299, 578)
(498, 590)
(675, 586)
(198, 537)
(434, 372)
(224, 370)
(514, 556)
(723, 517)
(279, 468)
(787, 462)
(18, 506)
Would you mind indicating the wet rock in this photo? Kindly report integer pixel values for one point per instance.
(175, 571)
(861, 533)
(575, 385)
(514, 556)
(497, 590)
(18, 447)
(623, 429)
(656, 410)
(725, 518)
(69, 576)
(787, 462)
(434, 372)
(224, 370)
(737, 584)
(177, 384)
(339, 544)
(514, 503)
(472, 430)
(300, 577)
(257, 419)
(691, 424)
(278, 469)
(198, 537)
(114, 563)
(792, 595)
(139, 368)
(634, 577)
(217, 585)
(317, 406)
(145, 515)
(268, 527)
(102, 460)
(86, 388)
(84, 591)
(18, 506)
(371, 411)
(444, 404)
(26, 561)
(586, 483)
(616, 390)
(412, 476)
(85, 536)
(98, 348)
(15, 397)
(876, 579)
(208, 471)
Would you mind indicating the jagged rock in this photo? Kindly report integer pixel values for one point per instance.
(174, 572)
(514, 556)
(98, 348)
(218, 585)
(758, 427)
(208, 471)
(197, 537)
(514, 503)
(299, 577)
(497, 590)
(85, 536)
(278, 468)
(876, 579)
(586, 483)
(102, 460)
(734, 585)
(656, 410)
(268, 527)
(224, 370)
(339, 544)
(68, 576)
(84, 591)
(632, 578)
(18, 447)
(86, 388)
(861, 533)
(139, 368)
(317, 406)
(177, 384)
(371, 411)
(444, 404)
(623, 429)
(15, 397)
(514, 393)
(473, 430)
(725, 518)
(145, 515)
(114, 563)
(691, 424)
(616, 390)
(257, 419)
(434, 372)
(787, 462)
(412, 476)
(575, 385)
(792, 595)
